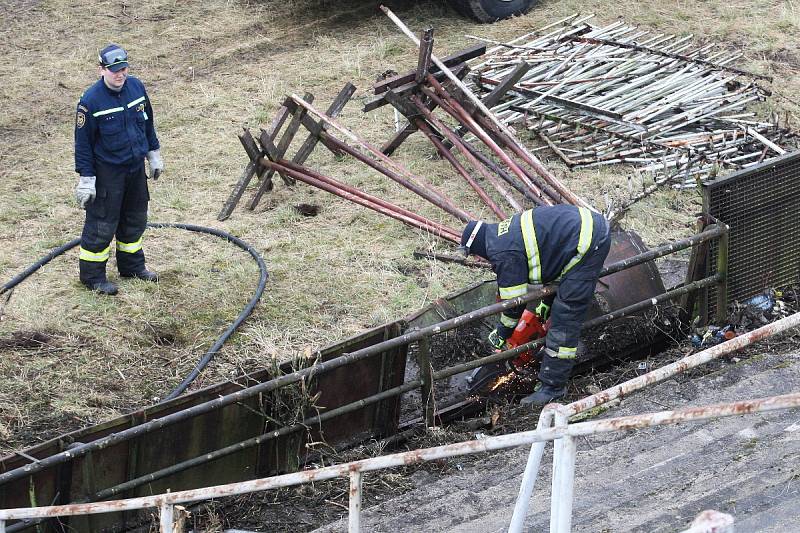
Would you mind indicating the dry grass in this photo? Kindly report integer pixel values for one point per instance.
(211, 68)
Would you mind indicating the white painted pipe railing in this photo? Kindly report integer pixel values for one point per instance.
(355, 469)
(562, 495)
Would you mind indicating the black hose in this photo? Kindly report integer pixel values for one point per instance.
(209, 355)
(262, 282)
(16, 280)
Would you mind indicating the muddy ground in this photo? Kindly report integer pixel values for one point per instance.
(308, 507)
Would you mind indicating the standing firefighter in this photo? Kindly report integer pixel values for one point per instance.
(562, 244)
(114, 133)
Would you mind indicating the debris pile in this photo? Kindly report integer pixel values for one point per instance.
(676, 111)
(617, 94)
(500, 171)
(771, 305)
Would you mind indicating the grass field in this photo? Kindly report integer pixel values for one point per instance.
(211, 68)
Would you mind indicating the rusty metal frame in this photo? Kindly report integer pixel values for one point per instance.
(761, 204)
(341, 363)
(354, 470)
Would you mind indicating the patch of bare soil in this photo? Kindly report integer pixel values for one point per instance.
(19, 340)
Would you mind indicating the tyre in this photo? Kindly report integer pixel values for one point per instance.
(491, 10)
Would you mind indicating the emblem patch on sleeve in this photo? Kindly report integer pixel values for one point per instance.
(80, 119)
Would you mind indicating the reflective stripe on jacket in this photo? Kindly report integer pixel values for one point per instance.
(112, 127)
(538, 246)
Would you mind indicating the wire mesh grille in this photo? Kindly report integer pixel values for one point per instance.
(762, 207)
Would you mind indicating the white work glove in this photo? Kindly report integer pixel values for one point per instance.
(156, 163)
(85, 191)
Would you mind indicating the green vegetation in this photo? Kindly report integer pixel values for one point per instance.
(210, 69)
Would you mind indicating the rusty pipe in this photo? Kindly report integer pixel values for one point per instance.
(358, 192)
(454, 108)
(550, 197)
(444, 152)
(444, 102)
(391, 174)
(511, 180)
(423, 126)
(364, 200)
(431, 190)
(593, 427)
(456, 141)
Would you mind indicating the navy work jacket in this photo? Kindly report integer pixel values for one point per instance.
(557, 234)
(112, 127)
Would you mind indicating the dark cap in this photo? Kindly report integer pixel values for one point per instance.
(473, 239)
(113, 57)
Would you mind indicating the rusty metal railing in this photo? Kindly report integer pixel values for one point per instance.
(559, 415)
(716, 231)
(553, 425)
(562, 431)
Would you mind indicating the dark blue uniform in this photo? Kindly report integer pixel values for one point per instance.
(563, 244)
(113, 133)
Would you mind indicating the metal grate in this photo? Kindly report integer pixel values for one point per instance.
(762, 207)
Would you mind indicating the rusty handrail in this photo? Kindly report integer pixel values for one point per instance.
(624, 389)
(624, 423)
(346, 359)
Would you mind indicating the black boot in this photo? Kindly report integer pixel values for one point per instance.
(93, 276)
(146, 275)
(103, 287)
(553, 376)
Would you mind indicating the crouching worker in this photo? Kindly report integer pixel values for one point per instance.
(560, 244)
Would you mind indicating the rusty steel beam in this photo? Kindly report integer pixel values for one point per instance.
(376, 204)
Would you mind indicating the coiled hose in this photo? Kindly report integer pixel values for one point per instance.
(209, 355)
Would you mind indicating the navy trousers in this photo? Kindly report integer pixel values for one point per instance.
(119, 210)
(576, 290)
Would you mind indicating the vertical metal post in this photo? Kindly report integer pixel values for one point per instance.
(563, 478)
(696, 270)
(722, 268)
(530, 475)
(2, 526)
(166, 518)
(426, 374)
(354, 519)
